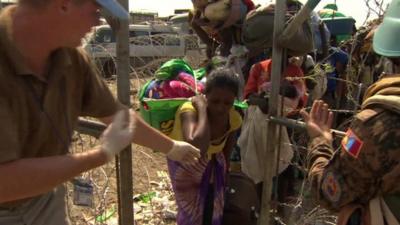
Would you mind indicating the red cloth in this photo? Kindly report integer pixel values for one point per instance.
(261, 73)
(250, 5)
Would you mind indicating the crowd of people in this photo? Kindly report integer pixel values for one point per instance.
(331, 81)
(48, 82)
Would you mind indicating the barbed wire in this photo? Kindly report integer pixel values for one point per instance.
(103, 177)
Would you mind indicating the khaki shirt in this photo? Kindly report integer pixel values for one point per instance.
(38, 116)
(366, 165)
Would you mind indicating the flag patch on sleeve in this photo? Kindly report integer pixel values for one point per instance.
(352, 144)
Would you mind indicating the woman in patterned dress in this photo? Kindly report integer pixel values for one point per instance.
(210, 123)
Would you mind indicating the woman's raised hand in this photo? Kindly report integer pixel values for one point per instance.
(199, 102)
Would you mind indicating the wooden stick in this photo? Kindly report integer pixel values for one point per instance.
(272, 142)
(124, 161)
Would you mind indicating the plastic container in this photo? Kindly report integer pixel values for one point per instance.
(340, 25)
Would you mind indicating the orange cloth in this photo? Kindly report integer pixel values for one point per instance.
(250, 5)
(261, 73)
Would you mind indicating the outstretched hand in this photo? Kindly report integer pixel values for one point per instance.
(319, 120)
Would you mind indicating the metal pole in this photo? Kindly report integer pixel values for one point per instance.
(324, 41)
(124, 161)
(295, 124)
(298, 20)
(277, 52)
(280, 33)
(92, 128)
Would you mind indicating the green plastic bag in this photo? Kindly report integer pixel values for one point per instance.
(199, 73)
(143, 89)
(171, 68)
(241, 105)
(160, 113)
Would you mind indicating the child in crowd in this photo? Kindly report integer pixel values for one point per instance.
(293, 85)
(252, 141)
(210, 123)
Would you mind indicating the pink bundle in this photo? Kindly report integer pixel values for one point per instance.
(183, 86)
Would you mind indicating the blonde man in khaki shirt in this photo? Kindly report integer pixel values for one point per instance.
(46, 84)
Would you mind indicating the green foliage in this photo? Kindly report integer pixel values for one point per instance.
(146, 197)
(106, 215)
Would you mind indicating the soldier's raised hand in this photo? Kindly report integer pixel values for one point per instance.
(319, 120)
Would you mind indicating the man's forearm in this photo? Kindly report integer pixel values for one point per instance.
(320, 151)
(144, 134)
(319, 165)
(149, 137)
(30, 177)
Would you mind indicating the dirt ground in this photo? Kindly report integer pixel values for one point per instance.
(152, 192)
(153, 197)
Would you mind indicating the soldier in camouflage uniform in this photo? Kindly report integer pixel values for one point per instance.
(360, 180)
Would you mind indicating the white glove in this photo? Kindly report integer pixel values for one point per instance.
(184, 152)
(118, 134)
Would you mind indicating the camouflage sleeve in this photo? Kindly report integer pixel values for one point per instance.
(365, 164)
(318, 158)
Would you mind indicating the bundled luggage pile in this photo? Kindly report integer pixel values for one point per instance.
(174, 83)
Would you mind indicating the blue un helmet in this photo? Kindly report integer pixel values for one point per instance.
(386, 37)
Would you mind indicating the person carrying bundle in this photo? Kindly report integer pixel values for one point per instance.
(218, 23)
(210, 123)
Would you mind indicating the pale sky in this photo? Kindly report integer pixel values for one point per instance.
(355, 8)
